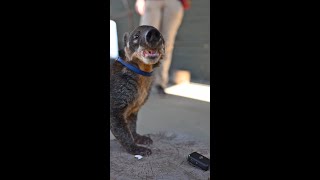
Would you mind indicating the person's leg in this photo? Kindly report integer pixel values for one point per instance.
(171, 20)
(152, 14)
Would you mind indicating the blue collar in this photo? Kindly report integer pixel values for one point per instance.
(133, 68)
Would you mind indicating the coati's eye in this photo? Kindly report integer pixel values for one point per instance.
(136, 36)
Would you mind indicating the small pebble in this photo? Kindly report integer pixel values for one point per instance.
(138, 156)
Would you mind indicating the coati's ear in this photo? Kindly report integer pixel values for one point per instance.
(125, 38)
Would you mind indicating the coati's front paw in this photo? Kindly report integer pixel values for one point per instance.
(138, 150)
(143, 140)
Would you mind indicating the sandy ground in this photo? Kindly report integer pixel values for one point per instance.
(167, 161)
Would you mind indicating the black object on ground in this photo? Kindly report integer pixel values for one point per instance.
(199, 160)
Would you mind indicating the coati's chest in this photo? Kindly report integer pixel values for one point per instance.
(130, 85)
(143, 90)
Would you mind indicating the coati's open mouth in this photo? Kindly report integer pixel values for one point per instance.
(149, 53)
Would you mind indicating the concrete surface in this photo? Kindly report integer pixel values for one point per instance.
(175, 114)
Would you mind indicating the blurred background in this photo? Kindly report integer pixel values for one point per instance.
(186, 108)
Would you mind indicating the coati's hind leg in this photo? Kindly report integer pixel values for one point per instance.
(121, 132)
(132, 124)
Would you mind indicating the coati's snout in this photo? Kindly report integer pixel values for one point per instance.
(153, 38)
(145, 43)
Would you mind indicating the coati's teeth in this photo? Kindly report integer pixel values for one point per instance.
(150, 53)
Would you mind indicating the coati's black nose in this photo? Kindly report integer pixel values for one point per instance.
(153, 37)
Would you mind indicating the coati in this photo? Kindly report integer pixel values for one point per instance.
(130, 84)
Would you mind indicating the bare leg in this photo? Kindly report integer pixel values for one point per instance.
(152, 15)
(172, 17)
